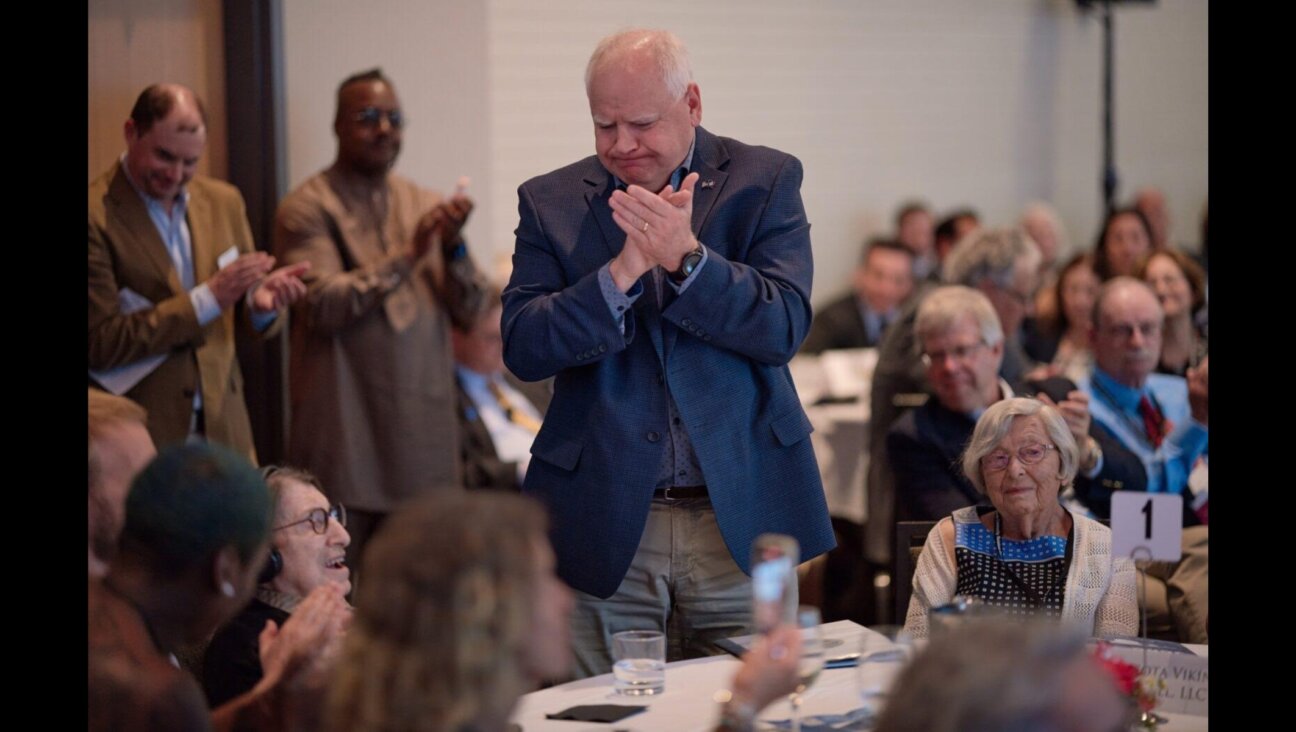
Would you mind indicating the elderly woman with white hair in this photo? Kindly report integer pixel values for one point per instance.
(1025, 554)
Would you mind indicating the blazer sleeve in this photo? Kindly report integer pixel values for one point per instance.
(337, 295)
(117, 338)
(549, 323)
(758, 306)
(1121, 470)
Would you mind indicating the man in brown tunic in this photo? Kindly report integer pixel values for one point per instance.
(372, 377)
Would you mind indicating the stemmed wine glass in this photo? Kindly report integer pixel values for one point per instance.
(812, 658)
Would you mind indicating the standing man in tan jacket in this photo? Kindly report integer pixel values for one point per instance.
(171, 255)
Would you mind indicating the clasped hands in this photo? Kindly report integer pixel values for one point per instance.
(270, 290)
(658, 228)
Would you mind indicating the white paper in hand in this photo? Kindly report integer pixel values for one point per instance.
(1147, 522)
(227, 258)
(124, 378)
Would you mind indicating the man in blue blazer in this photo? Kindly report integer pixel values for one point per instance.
(665, 282)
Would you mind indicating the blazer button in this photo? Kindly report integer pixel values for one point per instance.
(602, 348)
(653, 436)
(686, 322)
(580, 357)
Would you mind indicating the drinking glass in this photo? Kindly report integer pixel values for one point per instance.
(812, 658)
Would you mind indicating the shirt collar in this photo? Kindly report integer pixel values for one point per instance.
(1125, 397)
(470, 378)
(279, 600)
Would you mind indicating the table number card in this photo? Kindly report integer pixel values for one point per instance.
(1147, 522)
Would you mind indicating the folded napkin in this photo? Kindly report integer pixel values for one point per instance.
(597, 712)
(855, 720)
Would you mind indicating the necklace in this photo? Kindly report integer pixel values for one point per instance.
(1036, 599)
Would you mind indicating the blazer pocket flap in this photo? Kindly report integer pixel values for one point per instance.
(557, 451)
(792, 427)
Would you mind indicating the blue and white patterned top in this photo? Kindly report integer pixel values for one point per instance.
(1025, 577)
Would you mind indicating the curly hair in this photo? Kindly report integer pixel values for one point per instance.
(442, 618)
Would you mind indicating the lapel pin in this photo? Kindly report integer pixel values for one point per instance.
(708, 184)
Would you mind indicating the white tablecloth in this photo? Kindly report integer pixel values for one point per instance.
(840, 436)
(688, 703)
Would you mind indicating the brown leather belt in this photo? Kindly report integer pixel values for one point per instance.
(680, 493)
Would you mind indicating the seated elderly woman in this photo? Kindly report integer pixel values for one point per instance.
(1026, 554)
(308, 542)
(462, 613)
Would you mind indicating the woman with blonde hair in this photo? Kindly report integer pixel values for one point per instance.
(461, 613)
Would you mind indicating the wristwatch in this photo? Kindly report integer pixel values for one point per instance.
(687, 265)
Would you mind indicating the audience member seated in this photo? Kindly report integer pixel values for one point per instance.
(1126, 238)
(499, 415)
(1150, 202)
(952, 229)
(1006, 677)
(462, 613)
(120, 447)
(1180, 286)
(1025, 554)
(962, 346)
(1061, 339)
(1003, 264)
(916, 231)
(307, 550)
(193, 543)
(1164, 420)
(881, 282)
(1041, 223)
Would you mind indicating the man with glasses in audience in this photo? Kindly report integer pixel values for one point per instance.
(1162, 419)
(372, 377)
(961, 343)
(1004, 265)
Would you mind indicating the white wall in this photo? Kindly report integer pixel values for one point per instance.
(989, 103)
(435, 54)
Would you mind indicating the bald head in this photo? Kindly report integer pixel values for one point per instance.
(158, 101)
(1041, 223)
(1127, 330)
(662, 49)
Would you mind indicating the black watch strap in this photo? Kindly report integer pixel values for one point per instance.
(687, 265)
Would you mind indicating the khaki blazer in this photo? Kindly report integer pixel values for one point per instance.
(126, 251)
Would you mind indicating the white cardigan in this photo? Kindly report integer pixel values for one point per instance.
(1099, 597)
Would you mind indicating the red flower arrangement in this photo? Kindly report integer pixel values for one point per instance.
(1141, 690)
